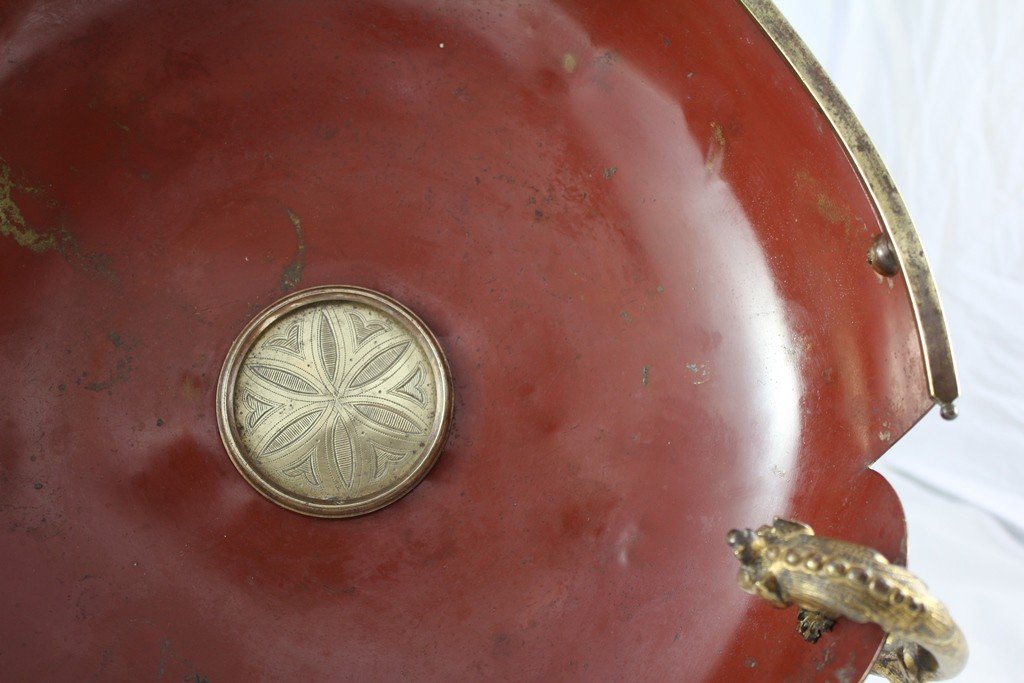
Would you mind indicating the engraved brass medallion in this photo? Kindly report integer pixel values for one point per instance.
(334, 401)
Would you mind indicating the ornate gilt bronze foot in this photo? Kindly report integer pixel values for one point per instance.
(812, 623)
(786, 564)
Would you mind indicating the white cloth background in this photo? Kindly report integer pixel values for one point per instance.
(939, 86)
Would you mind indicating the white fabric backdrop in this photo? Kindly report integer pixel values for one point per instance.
(939, 86)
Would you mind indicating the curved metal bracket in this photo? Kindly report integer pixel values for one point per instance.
(786, 564)
(924, 296)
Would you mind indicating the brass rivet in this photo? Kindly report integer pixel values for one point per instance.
(882, 257)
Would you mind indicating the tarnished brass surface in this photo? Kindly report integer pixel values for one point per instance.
(334, 402)
(786, 564)
(909, 253)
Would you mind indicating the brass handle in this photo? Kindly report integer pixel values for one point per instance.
(786, 564)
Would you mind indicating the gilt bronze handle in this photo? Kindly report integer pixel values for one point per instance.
(786, 564)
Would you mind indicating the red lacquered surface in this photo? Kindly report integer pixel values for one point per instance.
(640, 245)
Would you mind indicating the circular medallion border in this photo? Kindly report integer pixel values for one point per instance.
(334, 401)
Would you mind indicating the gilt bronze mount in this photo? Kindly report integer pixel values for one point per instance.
(786, 564)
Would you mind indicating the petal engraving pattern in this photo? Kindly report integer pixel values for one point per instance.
(285, 379)
(328, 348)
(342, 451)
(336, 401)
(289, 342)
(259, 407)
(293, 431)
(364, 330)
(381, 458)
(410, 387)
(305, 468)
(379, 364)
(389, 419)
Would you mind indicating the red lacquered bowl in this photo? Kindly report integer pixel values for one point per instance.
(638, 232)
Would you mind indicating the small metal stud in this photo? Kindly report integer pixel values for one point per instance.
(882, 257)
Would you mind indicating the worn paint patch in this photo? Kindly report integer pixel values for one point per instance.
(799, 347)
(646, 375)
(122, 369)
(833, 211)
(12, 223)
(717, 134)
(292, 273)
(847, 674)
(715, 156)
(610, 171)
(569, 62)
(700, 371)
(885, 433)
(14, 226)
(117, 375)
(827, 655)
